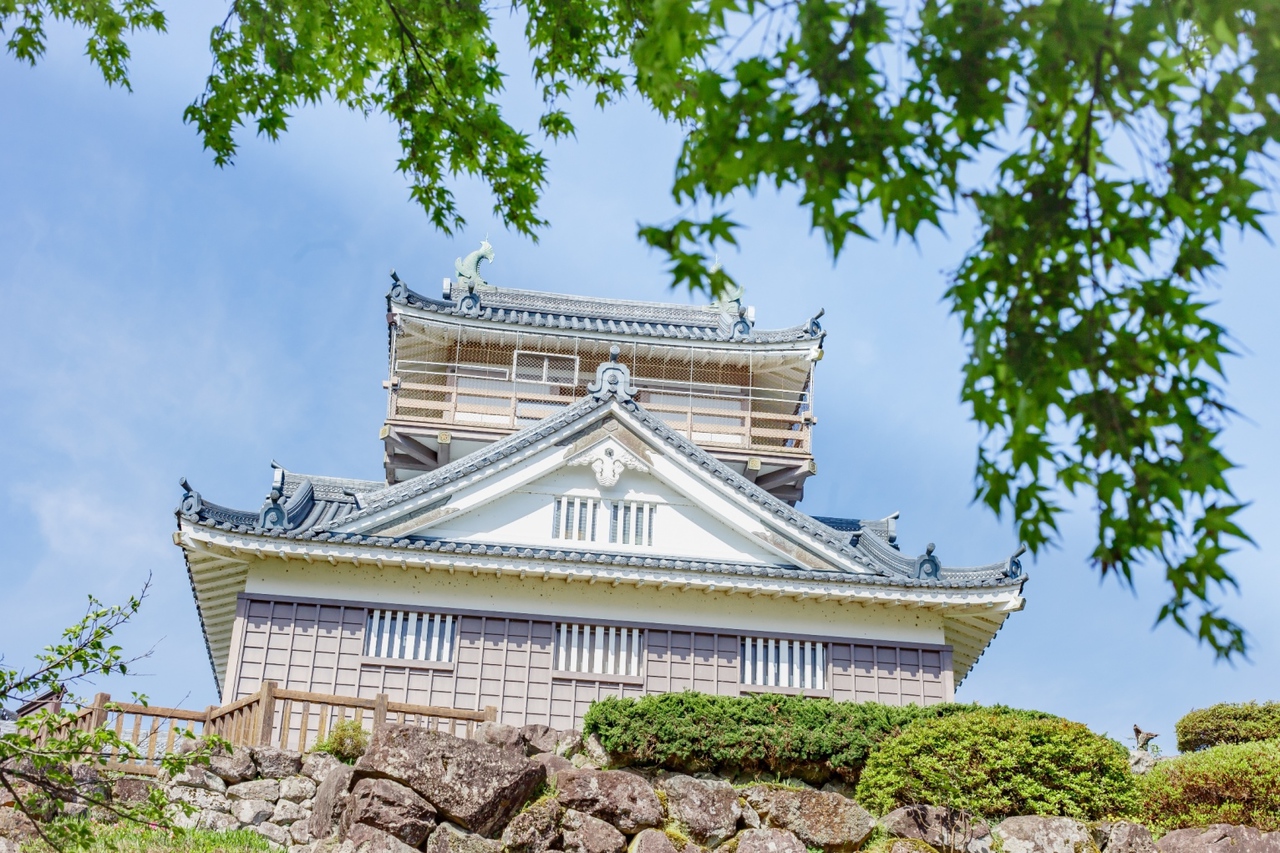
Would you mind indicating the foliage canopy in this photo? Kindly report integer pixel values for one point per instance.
(1001, 765)
(1105, 147)
(1236, 783)
(814, 739)
(1228, 723)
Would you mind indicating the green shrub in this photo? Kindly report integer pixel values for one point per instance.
(1226, 723)
(1234, 783)
(346, 741)
(998, 765)
(764, 734)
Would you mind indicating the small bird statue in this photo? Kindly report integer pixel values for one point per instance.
(1143, 738)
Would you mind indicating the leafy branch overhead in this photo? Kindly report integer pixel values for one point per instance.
(1105, 147)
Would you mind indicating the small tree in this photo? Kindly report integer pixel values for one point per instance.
(39, 761)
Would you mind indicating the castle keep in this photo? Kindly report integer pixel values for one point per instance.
(583, 497)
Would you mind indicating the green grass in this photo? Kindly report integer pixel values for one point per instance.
(130, 838)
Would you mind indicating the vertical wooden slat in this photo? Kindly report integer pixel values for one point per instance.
(322, 726)
(379, 711)
(303, 724)
(286, 722)
(136, 737)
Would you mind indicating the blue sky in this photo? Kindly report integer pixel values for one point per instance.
(160, 318)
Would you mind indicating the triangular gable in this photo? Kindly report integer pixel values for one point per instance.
(506, 490)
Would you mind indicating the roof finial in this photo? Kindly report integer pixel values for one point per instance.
(614, 353)
(468, 268)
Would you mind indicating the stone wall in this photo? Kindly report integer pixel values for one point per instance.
(538, 790)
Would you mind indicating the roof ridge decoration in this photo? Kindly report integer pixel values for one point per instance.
(468, 268)
(613, 379)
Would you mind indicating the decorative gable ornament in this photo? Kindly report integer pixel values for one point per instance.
(608, 460)
(613, 379)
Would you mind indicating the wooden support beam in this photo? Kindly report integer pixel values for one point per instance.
(410, 446)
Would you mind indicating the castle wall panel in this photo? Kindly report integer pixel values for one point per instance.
(507, 661)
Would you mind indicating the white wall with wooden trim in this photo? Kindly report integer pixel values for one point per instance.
(515, 661)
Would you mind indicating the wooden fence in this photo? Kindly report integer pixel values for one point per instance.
(290, 719)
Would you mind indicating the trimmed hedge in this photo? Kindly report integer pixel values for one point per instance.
(763, 734)
(999, 765)
(1234, 783)
(1228, 723)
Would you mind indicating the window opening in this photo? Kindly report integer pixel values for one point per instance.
(410, 635)
(598, 649)
(770, 662)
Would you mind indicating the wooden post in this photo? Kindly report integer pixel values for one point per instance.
(491, 713)
(99, 716)
(206, 728)
(379, 711)
(267, 710)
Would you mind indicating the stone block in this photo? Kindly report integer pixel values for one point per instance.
(617, 797)
(452, 839)
(388, 807)
(534, 830)
(258, 789)
(297, 788)
(769, 841)
(709, 810)
(476, 785)
(818, 818)
(276, 763)
(1034, 834)
(252, 812)
(583, 833)
(948, 830)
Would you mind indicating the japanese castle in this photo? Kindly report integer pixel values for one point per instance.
(583, 497)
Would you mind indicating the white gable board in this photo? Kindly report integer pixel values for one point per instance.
(639, 514)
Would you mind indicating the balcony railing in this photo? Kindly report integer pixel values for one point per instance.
(758, 419)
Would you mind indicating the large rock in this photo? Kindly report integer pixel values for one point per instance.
(652, 841)
(234, 766)
(818, 818)
(769, 841)
(318, 766)
(499, 734)
(194, 776)
(275, 834)
(948, 830)
(288, 813)
(553, 764)
(534, 830)
(1033, 834)
(7, 846)
(252, 812)
(583, 833)
(1123, 837)
(451, 839)
(276, 763)
(258, 789)
(16, 826)
(370, 840)
(708, 809)
(1220, 838)
(216, 822)
(131, 790)
(539, 738)
(390, 807)
(476, 785)
(297, 789)
(622, 799)
(330, 797)
(200, 799)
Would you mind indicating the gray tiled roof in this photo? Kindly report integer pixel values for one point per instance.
(556, 311)
(317, 513)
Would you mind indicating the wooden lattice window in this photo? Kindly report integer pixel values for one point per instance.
(596, 520)
(769, 662)
(410, 635)
(598, 649)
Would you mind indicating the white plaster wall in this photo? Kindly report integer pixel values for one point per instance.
(578, 600)
(681, 528)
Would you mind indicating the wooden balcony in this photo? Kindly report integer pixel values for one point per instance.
(485, 402)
